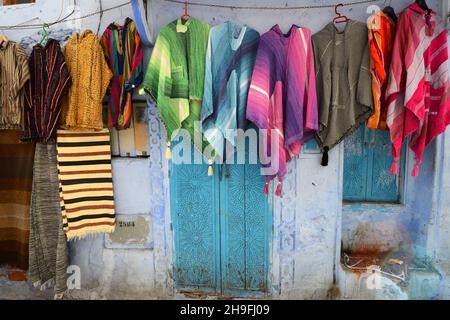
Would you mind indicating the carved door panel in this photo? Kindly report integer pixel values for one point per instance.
(221, 227)
(245, 230)
(367, 163)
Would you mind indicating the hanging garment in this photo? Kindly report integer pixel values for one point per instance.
(49, 83)
(14, 76)
(123, 52)
(16, 176)
(48, 243)
(230, 59)
(381, 41)
(418, 88)
(90, 74)
(282, 96)
(344, 82)
(85, 175)
(176, 73)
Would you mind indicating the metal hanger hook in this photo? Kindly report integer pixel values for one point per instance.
(336, 9)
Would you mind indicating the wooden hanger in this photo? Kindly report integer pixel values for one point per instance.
(185, 16)
(339, 18)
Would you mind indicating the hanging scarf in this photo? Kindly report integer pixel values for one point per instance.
(48, 243)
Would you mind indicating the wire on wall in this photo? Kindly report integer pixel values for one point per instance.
(67, 18)
(314, 6)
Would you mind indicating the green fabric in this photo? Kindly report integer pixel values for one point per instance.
(175, 74)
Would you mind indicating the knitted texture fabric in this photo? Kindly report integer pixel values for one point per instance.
(82, 107)
(14, 75)
(48, 244)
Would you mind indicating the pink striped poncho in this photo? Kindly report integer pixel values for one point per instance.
(282, 96)
(417, 93)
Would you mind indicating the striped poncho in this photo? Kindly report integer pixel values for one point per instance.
(175, 74)
(230, 60)
(282, 97)
(123, 53)
(417, 93)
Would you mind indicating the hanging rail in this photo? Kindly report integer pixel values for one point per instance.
(346, 4)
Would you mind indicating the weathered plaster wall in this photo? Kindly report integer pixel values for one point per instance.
(307, 220)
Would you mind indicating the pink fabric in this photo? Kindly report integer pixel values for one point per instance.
(417, 93)
(282, 96)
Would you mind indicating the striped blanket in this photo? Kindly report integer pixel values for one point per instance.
(85, 175)
(16, 174)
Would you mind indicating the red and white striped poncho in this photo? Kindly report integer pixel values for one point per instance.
(417, 93)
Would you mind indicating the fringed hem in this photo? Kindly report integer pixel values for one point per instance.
(59, 296)
(84, 233)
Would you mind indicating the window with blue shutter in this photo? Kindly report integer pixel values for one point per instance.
(367, 161)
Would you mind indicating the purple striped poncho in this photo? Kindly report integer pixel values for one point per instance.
(282, 97)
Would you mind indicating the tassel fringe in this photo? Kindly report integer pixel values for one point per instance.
(168, 153)
(415, 171)
(210, 169)
(325, 157)
(279, 190)
(394, 168)
(266, 186)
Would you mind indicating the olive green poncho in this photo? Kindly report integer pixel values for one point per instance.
(343, 80)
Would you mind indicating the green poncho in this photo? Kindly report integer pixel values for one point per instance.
(176, 72)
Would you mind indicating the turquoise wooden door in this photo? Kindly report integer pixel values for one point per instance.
(221, 227)
(367, 161)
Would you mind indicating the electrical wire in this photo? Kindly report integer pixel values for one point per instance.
(346, 4)
(64, 19)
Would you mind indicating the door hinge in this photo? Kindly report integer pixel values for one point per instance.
(171, 227)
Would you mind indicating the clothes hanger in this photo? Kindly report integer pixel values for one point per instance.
(390, 12)
(44, 38)
(339, 18)
(423, 5)
(185, 16)
(3, 39)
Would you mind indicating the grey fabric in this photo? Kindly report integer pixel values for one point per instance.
(344, 81)
(48, 243)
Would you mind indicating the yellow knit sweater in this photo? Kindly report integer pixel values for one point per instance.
(82, 107)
